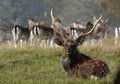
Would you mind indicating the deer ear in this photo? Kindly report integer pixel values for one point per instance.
(59, 42)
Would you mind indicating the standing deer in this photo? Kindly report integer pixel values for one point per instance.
(100, 30)
(76, 64)
(32, 27)
(19, 33)
(46, 33)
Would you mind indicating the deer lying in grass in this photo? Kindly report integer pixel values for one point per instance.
(76, 64)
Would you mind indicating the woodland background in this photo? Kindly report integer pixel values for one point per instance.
(69, 10)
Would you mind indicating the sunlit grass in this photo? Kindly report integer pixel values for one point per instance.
(35, 65)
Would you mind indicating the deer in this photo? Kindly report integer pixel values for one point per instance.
(79, 65)
(46, 33)
(101, 28)
(100, 31)
(76, 29)
(32, 22)
(19, 32)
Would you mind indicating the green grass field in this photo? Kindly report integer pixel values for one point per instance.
(35, 65)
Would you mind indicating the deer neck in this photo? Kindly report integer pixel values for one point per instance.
(71, 55)
(69, 60)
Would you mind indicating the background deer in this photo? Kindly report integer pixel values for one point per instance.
(101, 28)
(32, 27)
(76, 29)
(46, 33)
(99, 32)
(19, 33)
(76, 64)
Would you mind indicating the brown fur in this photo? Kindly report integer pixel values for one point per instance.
(78, 65)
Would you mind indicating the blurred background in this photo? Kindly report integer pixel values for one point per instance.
(69, 10)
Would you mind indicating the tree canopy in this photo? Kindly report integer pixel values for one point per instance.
(68, 9)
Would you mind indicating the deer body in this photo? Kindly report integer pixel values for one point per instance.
(81, 66)
(19, 32)
(76, 64)
(46, 33)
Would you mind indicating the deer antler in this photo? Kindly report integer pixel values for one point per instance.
(61, 34)
(43, 21)
(52, 17)
(57, 32)
(89, 32)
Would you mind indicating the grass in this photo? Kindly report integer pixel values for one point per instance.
(35, 65)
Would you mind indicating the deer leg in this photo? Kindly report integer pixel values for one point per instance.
(21, 43)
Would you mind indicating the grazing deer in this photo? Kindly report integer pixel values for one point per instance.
(99, 32)
(76, 64)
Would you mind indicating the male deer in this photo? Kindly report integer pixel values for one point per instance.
(76, 64)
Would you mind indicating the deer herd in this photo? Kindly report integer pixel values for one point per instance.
(74, 63)
(37, 31)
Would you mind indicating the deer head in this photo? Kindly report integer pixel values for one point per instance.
(15, 23)
(31, 23)
(77, 64)
(104, 22)
(71, 44)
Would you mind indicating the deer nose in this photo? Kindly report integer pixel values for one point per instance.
(69, 49)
